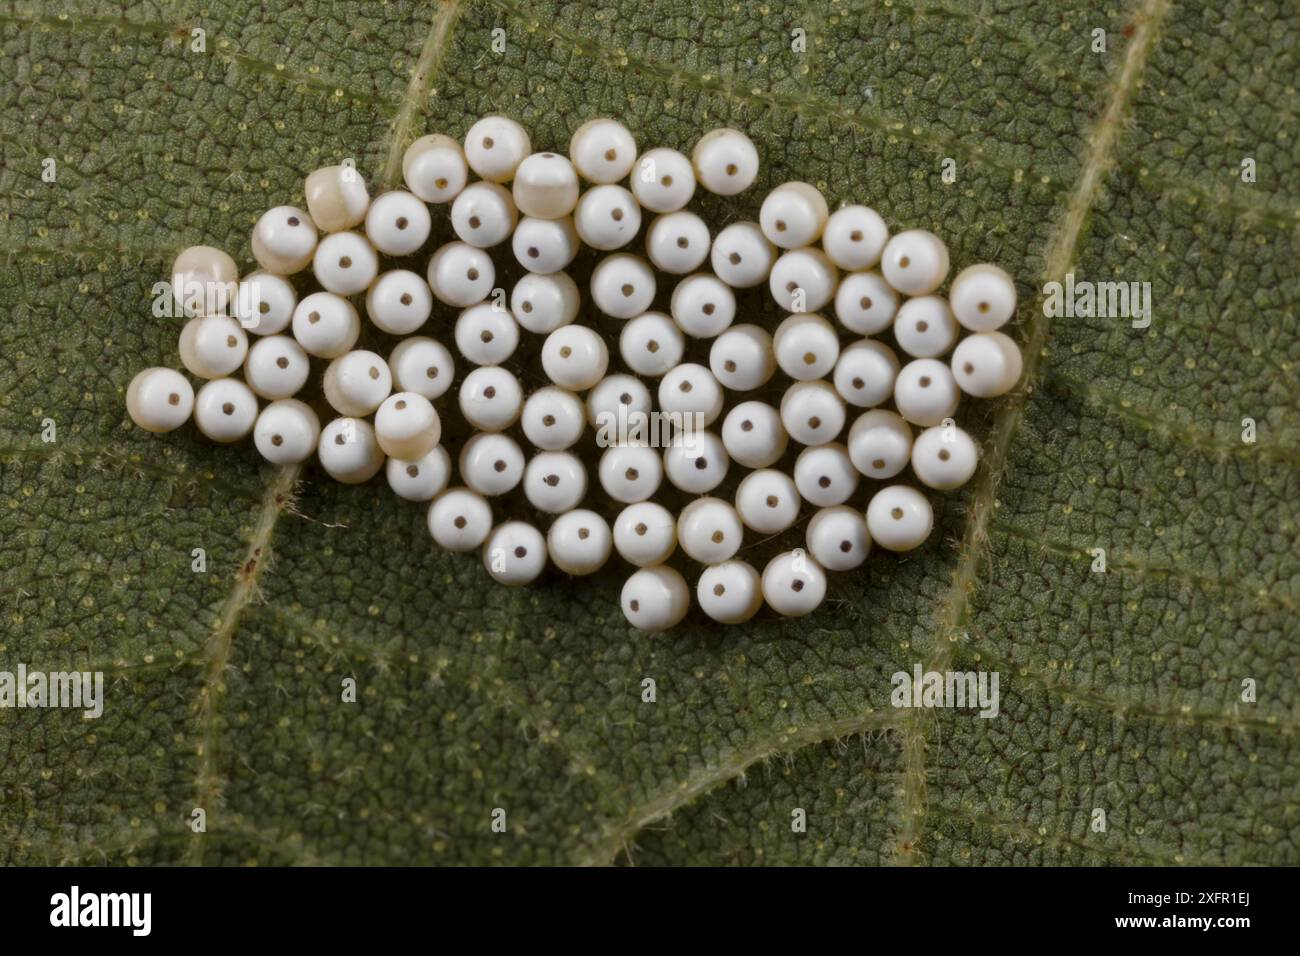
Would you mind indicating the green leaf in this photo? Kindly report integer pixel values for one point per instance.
(1120, 691)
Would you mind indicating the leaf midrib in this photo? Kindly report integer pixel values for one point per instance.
(279, 491)
(1147, 20)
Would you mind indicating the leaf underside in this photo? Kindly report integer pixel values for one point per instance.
(1120, 691)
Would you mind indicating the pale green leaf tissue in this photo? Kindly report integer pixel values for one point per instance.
(1120, 691)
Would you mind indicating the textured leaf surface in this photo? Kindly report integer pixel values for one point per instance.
(1119, 691)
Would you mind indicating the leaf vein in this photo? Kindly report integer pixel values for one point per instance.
(1147, 20)
(1139, 566)
(1184, 433)
(426, 70)
(208, 780)
(130, 26)
(1126, 706)
(1121, 852)
(817, 108)
(616, 838)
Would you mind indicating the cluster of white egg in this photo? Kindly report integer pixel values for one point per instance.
(386, 418)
